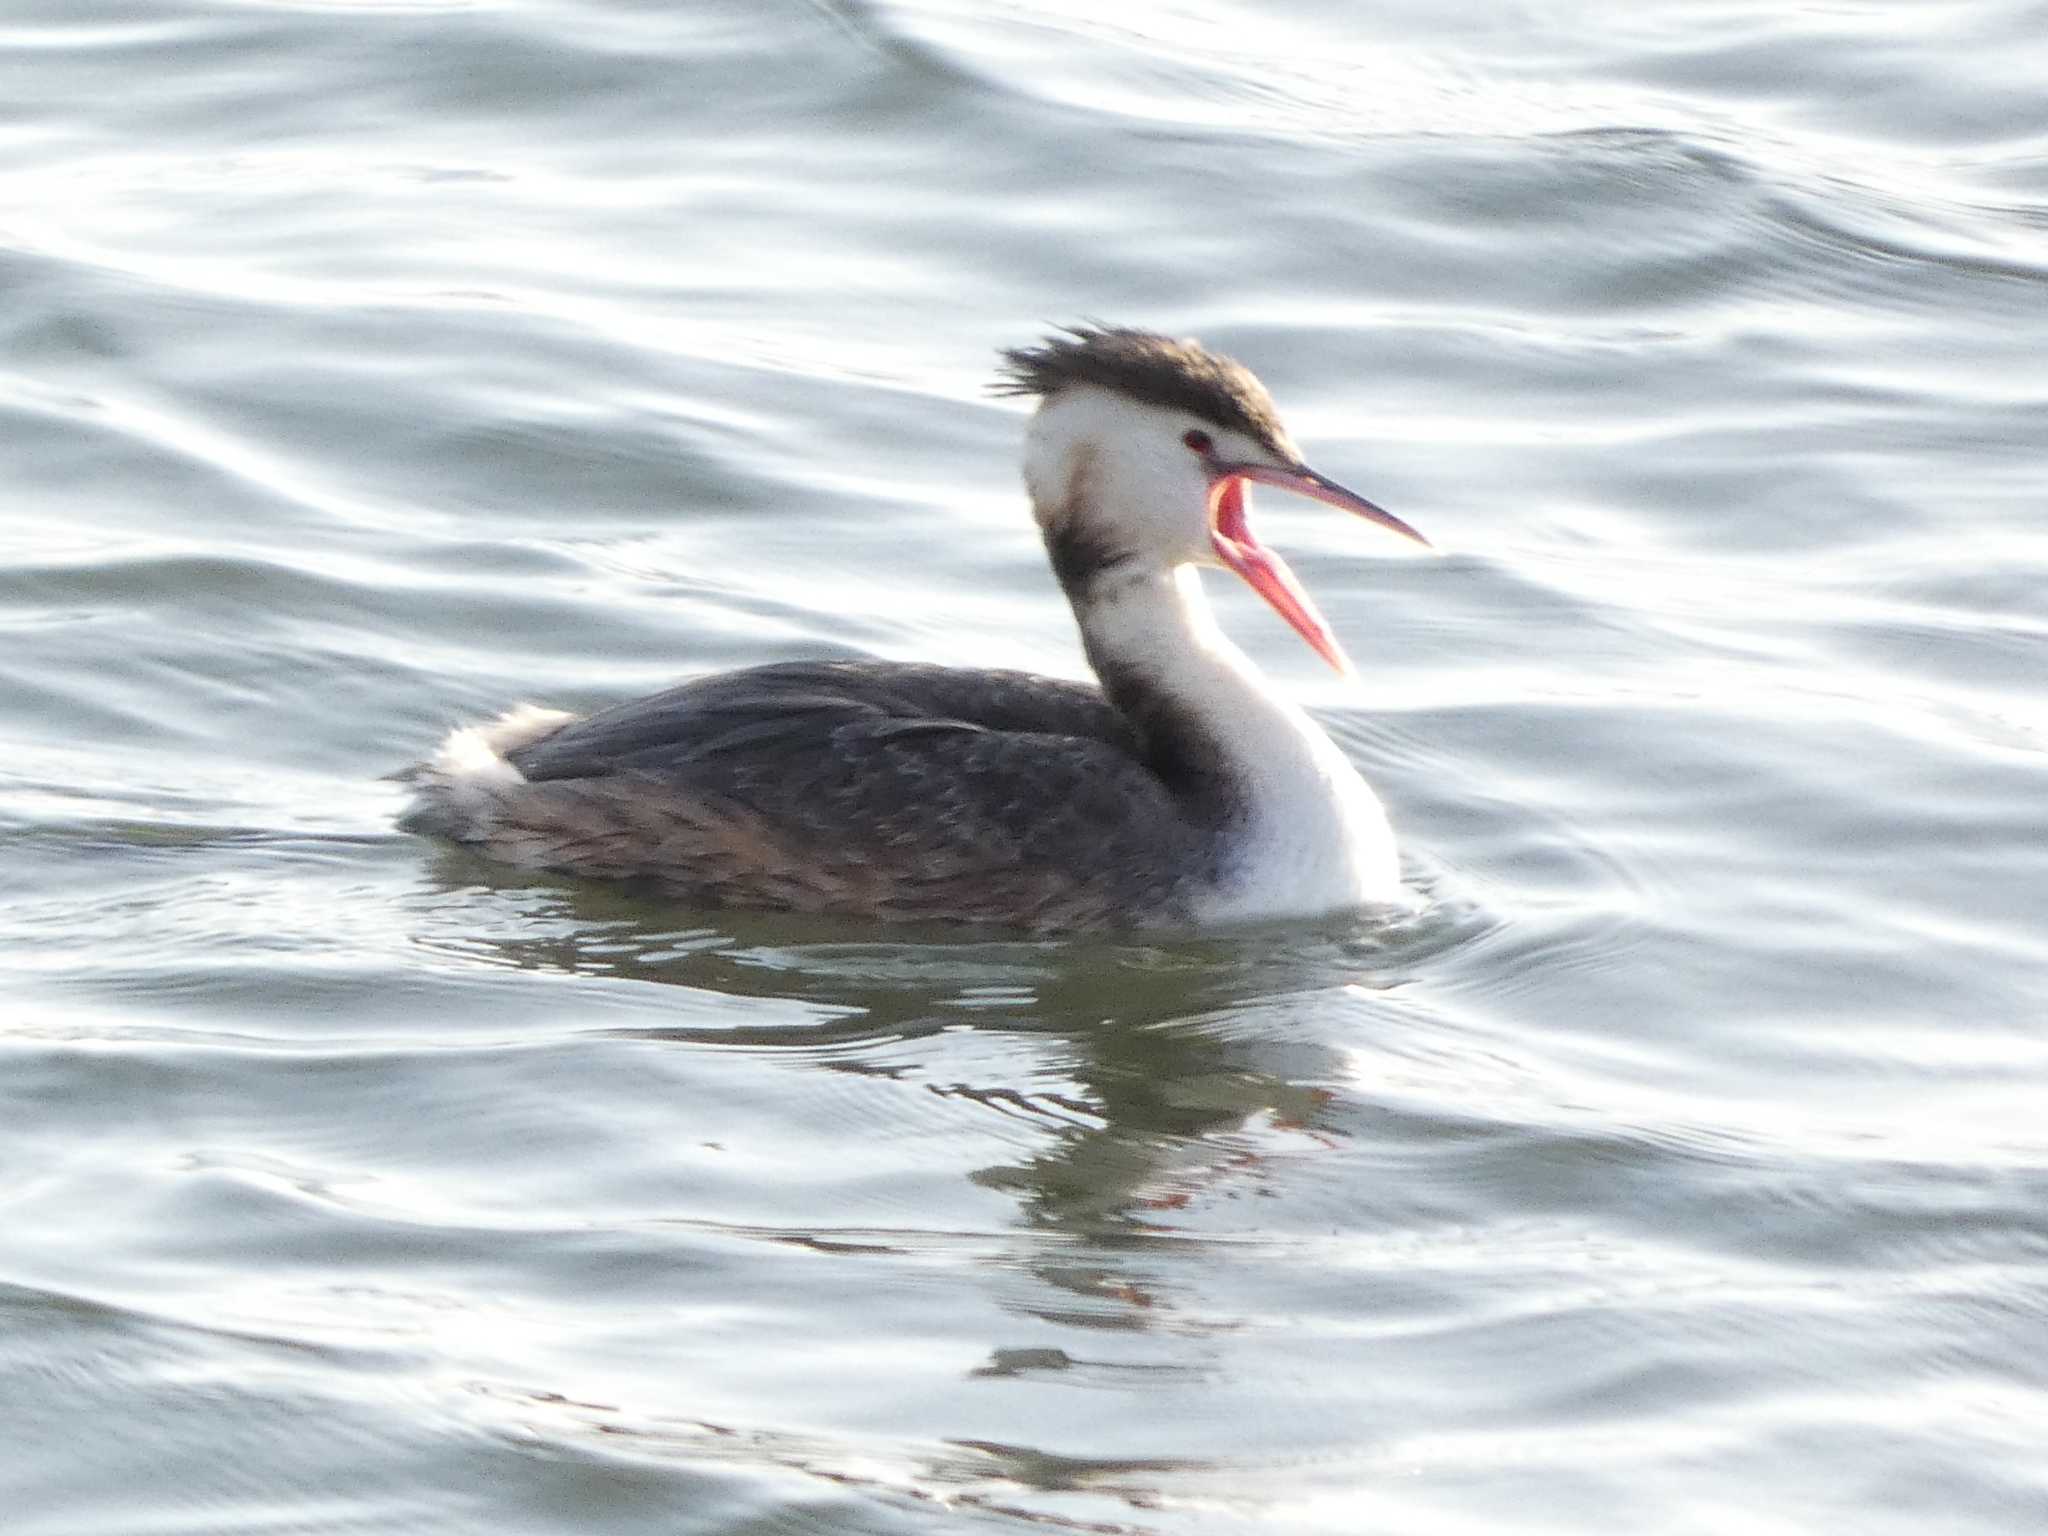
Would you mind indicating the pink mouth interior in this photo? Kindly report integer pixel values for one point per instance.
(1265, 573)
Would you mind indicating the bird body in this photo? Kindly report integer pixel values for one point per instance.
(1182, 792)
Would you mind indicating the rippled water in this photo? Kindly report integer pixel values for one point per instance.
(1680, 1167)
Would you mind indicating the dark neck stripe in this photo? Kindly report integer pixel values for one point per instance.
(1172, 741)
(1082, 556)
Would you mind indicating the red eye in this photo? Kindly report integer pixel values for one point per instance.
(1198, 440)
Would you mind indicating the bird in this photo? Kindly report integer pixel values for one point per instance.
(1178, 792)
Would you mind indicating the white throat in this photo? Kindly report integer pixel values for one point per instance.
(1313, 838)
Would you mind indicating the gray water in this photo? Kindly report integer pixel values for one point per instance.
(1680, 1166)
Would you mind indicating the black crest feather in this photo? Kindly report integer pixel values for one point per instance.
(1158, 370)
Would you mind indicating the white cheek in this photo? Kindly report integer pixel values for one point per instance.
(1133, 465)
(1170, 490)
(1046, 471)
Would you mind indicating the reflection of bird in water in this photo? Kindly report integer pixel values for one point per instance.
(1181, 792)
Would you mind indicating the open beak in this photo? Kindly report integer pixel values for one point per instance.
(1230, 532)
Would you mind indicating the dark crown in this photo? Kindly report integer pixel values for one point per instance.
(1154, 369)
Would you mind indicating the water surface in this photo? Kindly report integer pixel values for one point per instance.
(1679, 1165)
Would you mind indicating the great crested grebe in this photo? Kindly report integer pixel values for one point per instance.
(1180, 793)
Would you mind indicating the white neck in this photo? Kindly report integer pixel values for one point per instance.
(1311, 837)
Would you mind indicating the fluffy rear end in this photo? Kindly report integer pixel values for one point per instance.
(460, 791)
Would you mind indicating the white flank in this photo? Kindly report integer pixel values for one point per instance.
(460, 790)
(476, 753)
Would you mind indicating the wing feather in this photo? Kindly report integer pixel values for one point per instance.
(862, 787)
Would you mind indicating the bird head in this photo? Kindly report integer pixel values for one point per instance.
(1140, 458)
